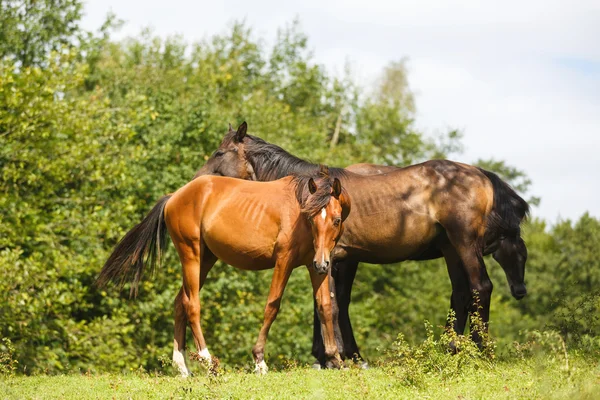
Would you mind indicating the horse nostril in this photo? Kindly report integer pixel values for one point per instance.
(519, 291)
(321, 267)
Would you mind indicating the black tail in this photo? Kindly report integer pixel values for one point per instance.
(144, 244)
(509, 208)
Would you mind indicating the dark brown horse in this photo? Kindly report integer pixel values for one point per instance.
(435, 209)
(251, 225)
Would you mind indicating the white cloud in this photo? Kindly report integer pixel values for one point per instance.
(522, 79)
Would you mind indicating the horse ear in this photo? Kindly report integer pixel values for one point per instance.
(346, 204)
(241, 132)
(230, 128)
(337, 188)
(312, 186)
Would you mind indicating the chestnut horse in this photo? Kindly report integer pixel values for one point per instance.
(439, 208)
(251, 225)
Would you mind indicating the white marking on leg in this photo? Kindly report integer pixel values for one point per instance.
(323, 214)
(205, 355)
(179, 360)
(261, 368)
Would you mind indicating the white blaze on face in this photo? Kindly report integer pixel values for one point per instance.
(324, 216)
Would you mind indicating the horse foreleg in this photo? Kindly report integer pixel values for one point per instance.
(480, 287)
(281, 275)
(344, 280)
(322, 293)
(342, 274)
(460, 299)
(481, 306)
(335, 312)
(318, 349)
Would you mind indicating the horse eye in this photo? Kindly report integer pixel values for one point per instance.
(337, 221)
(219, 153)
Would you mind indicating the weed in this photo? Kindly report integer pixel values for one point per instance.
(8, 364)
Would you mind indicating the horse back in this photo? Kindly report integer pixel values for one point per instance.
(241, 222)
(402, 211)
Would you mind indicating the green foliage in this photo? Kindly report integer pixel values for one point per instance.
(412, 364)
(543, 344)
(30, 29)
(93, 132)
(62, 167)
(385, 121)
(446, 357)
(8, 364)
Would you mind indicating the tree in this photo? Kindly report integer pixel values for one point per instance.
(66, 159)
(92, 136)
(31, 29)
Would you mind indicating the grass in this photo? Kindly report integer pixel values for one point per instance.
(534, 378)
(540, 368)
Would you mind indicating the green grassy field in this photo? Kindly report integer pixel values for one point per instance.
(545, 378)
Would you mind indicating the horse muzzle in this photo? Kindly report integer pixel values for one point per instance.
(518, 291)
(321, 267)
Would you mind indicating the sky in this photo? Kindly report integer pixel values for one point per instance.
(520, 79)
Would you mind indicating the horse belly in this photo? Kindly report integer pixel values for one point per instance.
(242, 246)
(409, 246)
(388, 243)
(247, 258)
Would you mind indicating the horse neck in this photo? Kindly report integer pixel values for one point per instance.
(294, 221)
(285, 165)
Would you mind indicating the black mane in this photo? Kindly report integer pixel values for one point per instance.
(311, 204)
(271, 162)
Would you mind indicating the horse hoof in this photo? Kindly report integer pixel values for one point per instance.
(261, 368)
(203, 357)
(184, 374)
(452, 349)
(363, 365)
(316, 365)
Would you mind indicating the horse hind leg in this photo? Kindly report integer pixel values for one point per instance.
(208, 260)
(179, 337)
(193, 272)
